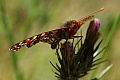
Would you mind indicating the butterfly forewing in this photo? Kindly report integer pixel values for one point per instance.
(27, 42)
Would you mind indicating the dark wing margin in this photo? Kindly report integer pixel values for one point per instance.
(27, 42)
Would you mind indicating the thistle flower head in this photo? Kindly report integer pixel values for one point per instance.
(76, 64)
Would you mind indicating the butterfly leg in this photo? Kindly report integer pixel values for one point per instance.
(78, 40)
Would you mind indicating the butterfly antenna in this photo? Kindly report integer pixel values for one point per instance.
(88, 17)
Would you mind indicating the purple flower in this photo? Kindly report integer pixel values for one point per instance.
(87, 49)
(93, 32)
(94, 26)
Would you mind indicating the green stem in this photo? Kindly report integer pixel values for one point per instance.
(108, 40)
(9, 37)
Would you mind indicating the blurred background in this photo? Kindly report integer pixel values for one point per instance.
(20, 19)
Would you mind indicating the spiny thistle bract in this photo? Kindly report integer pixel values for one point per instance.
(76, 64)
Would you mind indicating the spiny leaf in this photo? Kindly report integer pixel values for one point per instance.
(98, 46)
(98, 52)
(54, 66)
(97, 60)
(98, 63)
(58, 57)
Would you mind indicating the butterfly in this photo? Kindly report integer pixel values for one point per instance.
(53, 37)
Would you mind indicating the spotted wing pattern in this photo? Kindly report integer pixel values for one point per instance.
(28, 42)
(51, 37)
